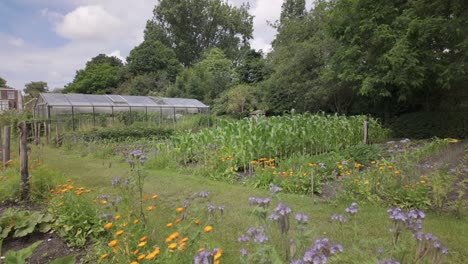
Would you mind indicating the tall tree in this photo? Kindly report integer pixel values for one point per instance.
(153, 57)
(400, 52)
(252, 67)
(95, 79)
(33, 89)
(2, 82)
(101, 75)
(191, 26)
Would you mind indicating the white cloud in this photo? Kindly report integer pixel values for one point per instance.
(100, 26)
(88, 23)
(17, 42)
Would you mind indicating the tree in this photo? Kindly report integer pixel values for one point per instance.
(208, 78)
(33, 89)
(191, 26)
(240, 100)
(153, 57)
(101, 75)
(103, 58)
(252, 67)
(2, 82)
(400, 52)
(94, 79)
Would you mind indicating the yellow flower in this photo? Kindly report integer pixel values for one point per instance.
(153, 254)
(452, 140)
(124, 224)
(108, 225)
(142, 244)
(179, 210)
(104, 256)
(136, 221)
(422, 181)
(207, 229)
(168, 225)
(150, 208)
(143, 238)
(113, 243)
(396, 172)
(390, 166)
(172, 246)
(136, 251)
(140, 257)
(133, 262)
(373, 162)
(118, 233)
(218, 254)
(117, 217)
(155, 196)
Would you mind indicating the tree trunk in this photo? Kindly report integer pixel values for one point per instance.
(24, 174)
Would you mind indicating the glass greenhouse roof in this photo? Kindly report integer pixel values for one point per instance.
(93, 100)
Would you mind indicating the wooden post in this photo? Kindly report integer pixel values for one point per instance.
(38, 133)
(56, 136)
(24, 174)
(366, 128)
(46, 133)
(6, 144)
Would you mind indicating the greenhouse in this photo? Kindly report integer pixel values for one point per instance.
(79, 110)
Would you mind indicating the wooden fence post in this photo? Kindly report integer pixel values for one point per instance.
(46, 133)
(6, 144)
(366, 128)
(24, 174)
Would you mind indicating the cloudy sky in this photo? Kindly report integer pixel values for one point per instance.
(48, 40)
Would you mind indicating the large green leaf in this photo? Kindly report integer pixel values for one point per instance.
(20, 256)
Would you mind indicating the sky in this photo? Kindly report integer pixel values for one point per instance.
(49, 40)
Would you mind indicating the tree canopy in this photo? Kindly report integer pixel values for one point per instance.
(2, 82)
(190, 27)
(33, 89)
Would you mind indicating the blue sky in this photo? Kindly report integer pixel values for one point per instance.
(49, 40)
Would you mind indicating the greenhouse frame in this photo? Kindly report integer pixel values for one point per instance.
(100, 110)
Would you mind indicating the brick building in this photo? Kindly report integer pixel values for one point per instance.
(10, 99)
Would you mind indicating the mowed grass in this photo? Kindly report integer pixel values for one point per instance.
(361, 237)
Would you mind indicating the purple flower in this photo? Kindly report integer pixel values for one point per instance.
(301, 218)
(203, 194)
(282, 209)
(243, 238)
(260, 238)
(210, 208)
(339, 218)
(352, 209)
(320, 251)
(243, 252)
(115, 181)
(296, 261)
(275, 189)
(135, 153)
(396, 214)
(221, 208)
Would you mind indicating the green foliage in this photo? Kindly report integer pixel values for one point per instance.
(20, 256)
(103, 58)
(34, 88)
(94, 79)
(240, 100)
(23, 222)
(430, 124)
(65, 260)
(153, 57)
(363, 154)
(277, 137)
(191, 27)
(76, 219)
(3, 82)
(135, 131)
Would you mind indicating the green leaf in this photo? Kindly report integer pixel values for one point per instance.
(20, 256)
(65, 260)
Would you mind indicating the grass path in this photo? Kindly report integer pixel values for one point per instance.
(360, 239)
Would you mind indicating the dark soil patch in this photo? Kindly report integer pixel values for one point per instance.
(52, 247)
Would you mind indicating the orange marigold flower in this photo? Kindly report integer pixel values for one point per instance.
(103, 256)
(113, 243)
(136, 251)
(422, 181)
(168, 225)
(108, 225)
(155, 196)
(207, 229)
(179, 210)
(136, 221)
(143, 238)
(172, 246)
(140, 257)
(118, 233)
(117, 217)
(142, 244)
(197, 222)
(150, 208)
(145, 197)
(133, 262)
